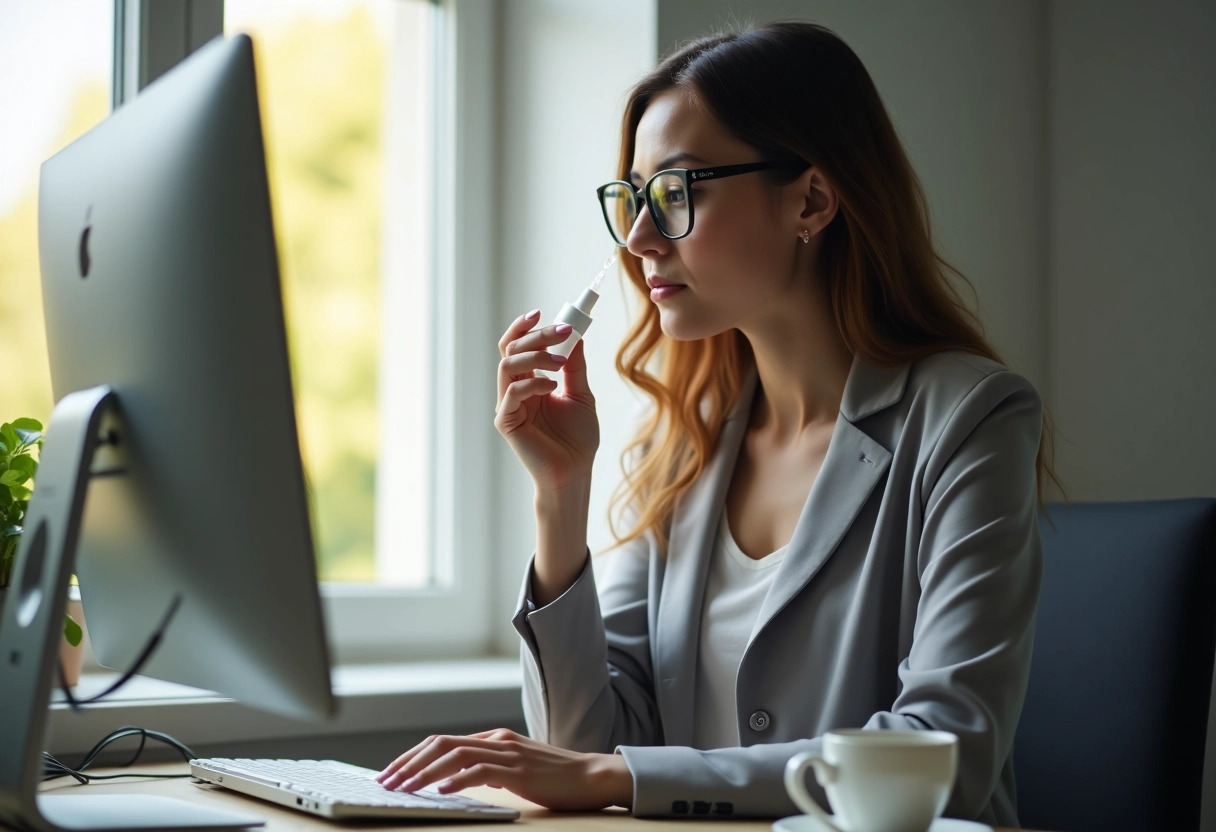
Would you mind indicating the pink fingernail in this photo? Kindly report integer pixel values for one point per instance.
(563, 329)
(531, 314)
(444, 787)
(560, 359)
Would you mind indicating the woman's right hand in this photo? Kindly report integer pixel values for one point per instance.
(555, 437)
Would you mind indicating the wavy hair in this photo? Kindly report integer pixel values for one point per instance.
(792, 91)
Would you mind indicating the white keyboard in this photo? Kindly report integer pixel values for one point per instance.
(338, 790)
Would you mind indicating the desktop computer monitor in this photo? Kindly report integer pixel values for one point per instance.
(165, 329)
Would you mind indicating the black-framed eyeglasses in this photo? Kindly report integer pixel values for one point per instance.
(668, 197)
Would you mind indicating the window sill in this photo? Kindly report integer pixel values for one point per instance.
(372, 698)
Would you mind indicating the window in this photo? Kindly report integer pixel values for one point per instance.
(345, 90)
(357, 99)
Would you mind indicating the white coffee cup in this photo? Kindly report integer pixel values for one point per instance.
(878, 780)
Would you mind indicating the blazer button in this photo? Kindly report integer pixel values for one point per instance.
(759, 721)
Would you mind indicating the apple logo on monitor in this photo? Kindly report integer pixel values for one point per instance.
(85, 260)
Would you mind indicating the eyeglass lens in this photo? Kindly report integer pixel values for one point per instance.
(665, 193)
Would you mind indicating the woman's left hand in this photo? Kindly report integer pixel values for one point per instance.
(552, 777)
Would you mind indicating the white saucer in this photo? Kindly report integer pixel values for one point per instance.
(807, 823)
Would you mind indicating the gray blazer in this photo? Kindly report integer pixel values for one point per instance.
(906, 600)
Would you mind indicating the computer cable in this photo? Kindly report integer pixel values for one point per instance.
(53, 768)
(75, 704)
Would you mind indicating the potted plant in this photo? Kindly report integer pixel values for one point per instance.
(20, 443)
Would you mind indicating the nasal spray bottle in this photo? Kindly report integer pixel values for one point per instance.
(578, 315)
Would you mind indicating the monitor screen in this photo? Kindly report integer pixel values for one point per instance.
(160, 280)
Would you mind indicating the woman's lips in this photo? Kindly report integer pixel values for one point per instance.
(660, 288)
(662, 292)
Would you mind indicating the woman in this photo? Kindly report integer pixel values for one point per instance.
(834, 502)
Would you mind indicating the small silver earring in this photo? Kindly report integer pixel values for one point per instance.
(805, 235)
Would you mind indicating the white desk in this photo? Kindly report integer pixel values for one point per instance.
(285, 820)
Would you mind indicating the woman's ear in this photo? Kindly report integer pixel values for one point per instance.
(819, 202)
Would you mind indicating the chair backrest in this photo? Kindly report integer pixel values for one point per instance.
(1115, 723)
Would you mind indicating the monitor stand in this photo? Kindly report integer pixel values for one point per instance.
(30, 630)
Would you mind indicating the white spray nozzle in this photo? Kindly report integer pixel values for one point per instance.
(599, 278)
(591, 294)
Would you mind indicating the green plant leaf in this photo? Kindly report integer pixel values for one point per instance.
(28, 437)
(20, 492)
(13, 477)
(26, 464)
(72, 631)
(9, 435)
(28, 424)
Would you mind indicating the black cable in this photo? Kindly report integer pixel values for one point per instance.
(144, 655)
(53, 768)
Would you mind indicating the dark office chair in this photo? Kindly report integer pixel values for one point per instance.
(1113, 731)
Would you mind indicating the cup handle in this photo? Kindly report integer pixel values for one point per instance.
(795, 780)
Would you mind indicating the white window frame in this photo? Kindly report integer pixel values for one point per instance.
(369, 622)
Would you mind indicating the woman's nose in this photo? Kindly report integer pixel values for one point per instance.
(644, 238)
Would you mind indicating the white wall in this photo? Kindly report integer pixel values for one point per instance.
(1133, 280)
(565, 68)
(1067, 147)
(963, 82)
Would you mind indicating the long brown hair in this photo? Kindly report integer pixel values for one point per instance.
(792, 91)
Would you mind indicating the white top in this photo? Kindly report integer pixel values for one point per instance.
(734, 590)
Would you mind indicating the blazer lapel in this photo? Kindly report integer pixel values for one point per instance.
(694, 522)
(855, 463)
